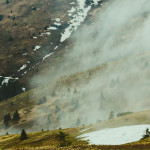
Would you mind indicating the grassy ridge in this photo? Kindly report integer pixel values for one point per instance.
(41, 140)
(48, 140)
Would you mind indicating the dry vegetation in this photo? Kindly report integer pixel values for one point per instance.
(47, 140)
(40, 140)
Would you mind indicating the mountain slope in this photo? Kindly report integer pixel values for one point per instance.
(50, 140)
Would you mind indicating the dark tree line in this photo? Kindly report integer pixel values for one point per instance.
(9, 90)
(123, 114)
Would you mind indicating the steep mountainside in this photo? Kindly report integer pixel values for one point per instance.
(32, 32)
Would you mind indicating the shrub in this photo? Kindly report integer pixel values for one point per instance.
(123, 114)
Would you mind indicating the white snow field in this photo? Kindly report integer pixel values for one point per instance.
(116, 136)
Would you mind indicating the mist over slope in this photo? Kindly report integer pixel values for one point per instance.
(118, 37)
(115, 43)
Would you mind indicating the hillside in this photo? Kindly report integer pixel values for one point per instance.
(67, 96)
(50, 140)
(79, 67)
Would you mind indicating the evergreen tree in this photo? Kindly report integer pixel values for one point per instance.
(112, 84)
(75, 91)
(146, 134)
(90, 73)
(11, 38)
(68, 89)
(57, 109)
(68, 92)
(111, 115)
(62, 139)
(101, 100)
(1, 17)
(48, 120)
(43, 100)
(7, 119)
(16, 116)
(76, 104)
(78, 122)
(53, 94)
(7, 1)
(23, 135)
(13, 18)
(11, 104)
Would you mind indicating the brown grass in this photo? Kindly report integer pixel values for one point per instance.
(47, 140)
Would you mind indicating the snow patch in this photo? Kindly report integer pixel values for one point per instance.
(72, 10)
(85, 129)
(6, 79)
(116, 136)
(22, 68)
(24, 54)
(78, 18)
(57, 19)
(72, 3)
(34, 37)
(47, 56)
(37, 47)
(57, 23)
(24, 89)
(56, 48)
(48, 33)
(52, 28)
